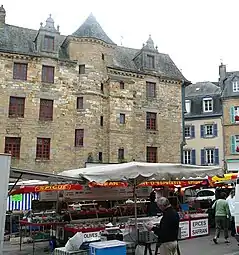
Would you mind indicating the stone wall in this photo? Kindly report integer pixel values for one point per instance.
(109, 103)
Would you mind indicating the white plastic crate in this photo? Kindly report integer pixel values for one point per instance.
(62, 251)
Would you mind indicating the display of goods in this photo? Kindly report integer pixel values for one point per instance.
(198, 215)
(46, 219)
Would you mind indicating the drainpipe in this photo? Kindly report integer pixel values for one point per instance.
(183, 142)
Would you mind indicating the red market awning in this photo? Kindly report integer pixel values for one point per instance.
(46, 188)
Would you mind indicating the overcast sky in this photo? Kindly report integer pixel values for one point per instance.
(197, 34)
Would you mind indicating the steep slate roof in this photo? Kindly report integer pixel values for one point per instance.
(91, 28)
(196, 92)
(123, 58)
(21, 40)
(227, 85)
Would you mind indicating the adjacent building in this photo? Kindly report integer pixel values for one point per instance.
(203, 124)
(65, 100)
(229, 82)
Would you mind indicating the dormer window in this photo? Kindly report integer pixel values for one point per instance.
(235, 86)
(150, 61)
(187, 106)
(48, 43)
(207, 105)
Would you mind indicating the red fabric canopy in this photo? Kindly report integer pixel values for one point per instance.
(46, 188)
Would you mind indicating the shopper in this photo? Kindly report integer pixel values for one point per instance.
(222, 214)
(231, 204)
(167, 231)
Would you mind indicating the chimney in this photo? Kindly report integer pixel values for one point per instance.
(2, 16)
(222, 72)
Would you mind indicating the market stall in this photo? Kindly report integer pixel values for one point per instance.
(135, 174)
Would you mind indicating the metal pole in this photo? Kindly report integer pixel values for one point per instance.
(183, 120)
(135, 211)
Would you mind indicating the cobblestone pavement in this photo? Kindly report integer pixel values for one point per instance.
(197, 246)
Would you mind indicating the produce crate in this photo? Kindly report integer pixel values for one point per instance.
(62, 251)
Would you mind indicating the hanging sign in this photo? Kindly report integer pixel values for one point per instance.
(184, 229)
(91, 236)
(199, 227)
(108, 184)
(173, 183)
(59, 187)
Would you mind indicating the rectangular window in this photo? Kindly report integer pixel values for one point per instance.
(79, 103)
(187, 106)
(207, 105)
(81, 69)
(102, 87)
(102, 56)
(208, 130)
(16, 107)
(121, 85)
(150, 61)
(43, 148)
(235, 144)
(152, 155)
(151, 120)
(20, 71)
(209, 154)
(49, 43)
(46, 110)
(12, 146)
(187, 158)
(79, 137)
(101, 121)
(48, 74)
(122, 118)
(100, 156)
(187, 132)
(151, 89)
(121, 154)
(236, 114)
(235, 86)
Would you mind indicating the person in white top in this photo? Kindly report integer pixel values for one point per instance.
(231, 203)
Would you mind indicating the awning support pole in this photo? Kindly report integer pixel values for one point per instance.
(15, 183)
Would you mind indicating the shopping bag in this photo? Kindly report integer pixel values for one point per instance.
(139, 250)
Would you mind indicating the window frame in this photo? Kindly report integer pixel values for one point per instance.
(42, 152)
(151, 123)
(122, 118)
(13, 146)
(210, 153)
(15, 109)
(46, 109)
(206, 126)
(205, 106)
(235, 86)
(121, 85)
(81, 69)
(79, 138)
(80, 103)
(49, 46)
(190, 133)
(187, 103)
(20, 71)
(121, 154)
(151, 154)
(236, 137)
(150, 89)
(187, 157)
(150, 61)
(48, 74)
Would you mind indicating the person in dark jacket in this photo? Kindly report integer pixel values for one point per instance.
(167, 231)
(152, 208)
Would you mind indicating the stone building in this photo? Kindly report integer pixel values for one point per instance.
(229, 82)
(65, 100)
(203, 124)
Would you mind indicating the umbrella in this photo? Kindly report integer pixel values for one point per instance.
(45, 188)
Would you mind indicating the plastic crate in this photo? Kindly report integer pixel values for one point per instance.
(62, 251)
(108, 248)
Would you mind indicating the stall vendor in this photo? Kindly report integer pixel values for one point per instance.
(152, 209)
(167, 231)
